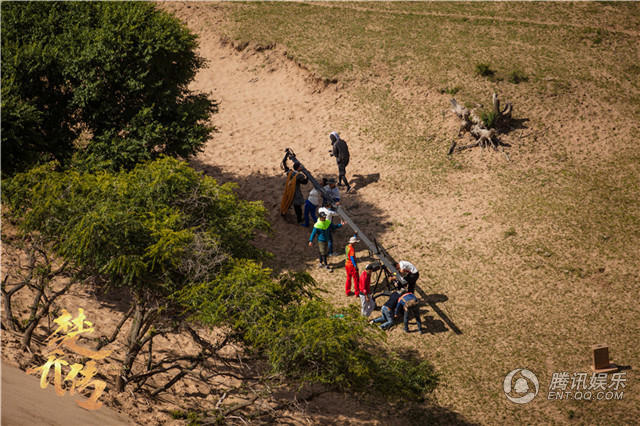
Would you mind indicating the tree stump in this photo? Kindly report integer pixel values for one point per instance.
(470, 122)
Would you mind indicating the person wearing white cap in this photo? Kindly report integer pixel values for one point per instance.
(334, 193)
(351, 267)
(409, 272)
(321, 229)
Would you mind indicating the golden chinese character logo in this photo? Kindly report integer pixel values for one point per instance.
(66, 336)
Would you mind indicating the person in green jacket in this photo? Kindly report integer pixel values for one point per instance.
(322, 230)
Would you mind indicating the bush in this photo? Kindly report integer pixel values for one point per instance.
(304, 337)
(158, 226)
(489, 118)
(517, 76)
(450, 90)
(115, 73)
(181, 242)
(484, 70)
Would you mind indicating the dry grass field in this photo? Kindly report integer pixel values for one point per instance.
(532, 260)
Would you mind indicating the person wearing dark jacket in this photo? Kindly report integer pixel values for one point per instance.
(301, 179)
(388, 310)
(341, 152)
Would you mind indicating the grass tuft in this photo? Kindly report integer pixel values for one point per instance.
(517, 76)
(484, 70)
(489, 118)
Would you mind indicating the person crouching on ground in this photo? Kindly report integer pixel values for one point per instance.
(409, 303)
(367, 304)
(387, 311)
(321, 229)
(351, 267)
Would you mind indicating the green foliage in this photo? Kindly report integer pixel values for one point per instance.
(117, 72)
(516, 77)
(489, 118)
(193, 418)
(484, 70)
(450, 90)
(164, 230)
(302, 336)
(158, 226)
(177, 414)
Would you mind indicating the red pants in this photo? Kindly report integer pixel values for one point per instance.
(351, 273)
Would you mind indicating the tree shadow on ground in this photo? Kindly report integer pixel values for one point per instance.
(289, 241)
(512, 125)
(325, 406)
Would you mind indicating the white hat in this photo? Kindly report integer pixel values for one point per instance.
(353, 240)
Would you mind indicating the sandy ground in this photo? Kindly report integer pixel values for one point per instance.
(24, 403)
(267, 104)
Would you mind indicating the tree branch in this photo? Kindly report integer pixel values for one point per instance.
(114, 335)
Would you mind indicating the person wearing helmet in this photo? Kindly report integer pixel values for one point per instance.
(321, 229)
(351, 267)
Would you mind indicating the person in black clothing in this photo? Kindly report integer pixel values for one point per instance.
(388, 311)
(301, 179)
(341, 152)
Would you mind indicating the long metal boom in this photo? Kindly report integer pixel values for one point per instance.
(374, 247)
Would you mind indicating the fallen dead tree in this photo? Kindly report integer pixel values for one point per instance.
(483, 129)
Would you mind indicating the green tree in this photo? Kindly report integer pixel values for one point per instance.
(304, 337)
(152, 230)
(106, 80)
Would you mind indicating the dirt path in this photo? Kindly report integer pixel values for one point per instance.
(20, 392)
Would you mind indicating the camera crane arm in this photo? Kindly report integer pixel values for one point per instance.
(373, 246)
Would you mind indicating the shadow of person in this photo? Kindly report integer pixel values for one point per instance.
(432, 325)
(360, 181)
(432, 301)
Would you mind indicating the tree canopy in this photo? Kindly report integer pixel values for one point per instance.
(157, 226)
(106, 80)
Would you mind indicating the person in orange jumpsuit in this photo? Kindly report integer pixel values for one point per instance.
(351, 267)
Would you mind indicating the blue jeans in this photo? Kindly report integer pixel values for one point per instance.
(386, 318)
(330, 243)
(415, 312)
(309, 209)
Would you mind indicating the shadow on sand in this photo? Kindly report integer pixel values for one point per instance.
(288, 241)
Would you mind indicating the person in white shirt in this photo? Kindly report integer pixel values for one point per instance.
(409, 272)
(310, 205)
(333, 190)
